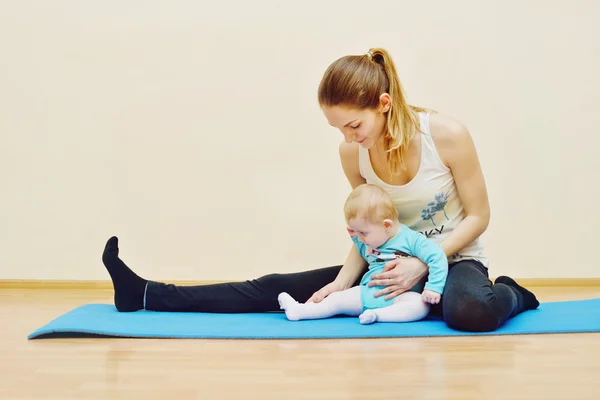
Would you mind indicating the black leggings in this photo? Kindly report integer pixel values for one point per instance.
(470, 301)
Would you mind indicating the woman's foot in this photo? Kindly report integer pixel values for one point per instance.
(530, 302)
(129, 288)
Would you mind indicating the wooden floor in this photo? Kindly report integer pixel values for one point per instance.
(546, 367)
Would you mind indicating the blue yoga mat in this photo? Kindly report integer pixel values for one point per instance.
(104, 320)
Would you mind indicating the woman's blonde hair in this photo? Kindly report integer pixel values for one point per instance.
(370, 202)
(359, 81)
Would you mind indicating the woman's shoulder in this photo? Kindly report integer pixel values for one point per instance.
(445, 128)
(348, 150)
(350, 164)
(449, 135)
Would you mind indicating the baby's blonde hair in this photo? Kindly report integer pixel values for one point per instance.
(370, 202)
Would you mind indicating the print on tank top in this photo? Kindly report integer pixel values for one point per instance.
(439, 205)
(437, 208)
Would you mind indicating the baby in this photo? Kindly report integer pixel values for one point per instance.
(372, 222)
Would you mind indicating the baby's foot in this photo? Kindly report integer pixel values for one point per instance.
(289, 305)
(368, 317)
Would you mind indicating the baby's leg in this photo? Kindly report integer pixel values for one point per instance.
(346, 302)
(407, 307)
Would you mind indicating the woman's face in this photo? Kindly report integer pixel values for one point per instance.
(364, 127)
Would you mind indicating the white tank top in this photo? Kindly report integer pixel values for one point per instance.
(428, 204)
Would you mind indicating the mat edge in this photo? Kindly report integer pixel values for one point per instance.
(76, 334)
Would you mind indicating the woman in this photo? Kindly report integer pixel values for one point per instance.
(429, 165)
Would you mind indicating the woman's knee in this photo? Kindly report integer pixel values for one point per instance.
(473, 315)
(270, 279)
(271, 285)
(316, 277)
(468, 300)
(299, 285)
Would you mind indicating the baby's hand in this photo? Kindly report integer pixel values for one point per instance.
(431, 297)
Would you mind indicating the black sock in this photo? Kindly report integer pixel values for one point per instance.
(129, 288)
(529, 302)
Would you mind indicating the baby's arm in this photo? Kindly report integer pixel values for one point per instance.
(434, 256)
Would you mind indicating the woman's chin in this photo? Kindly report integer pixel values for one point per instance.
(366, 144)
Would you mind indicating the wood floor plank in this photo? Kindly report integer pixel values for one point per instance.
(499, 367)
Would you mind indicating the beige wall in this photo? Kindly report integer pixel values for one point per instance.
(183, 127)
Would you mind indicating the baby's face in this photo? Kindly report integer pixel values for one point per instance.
(373, 235)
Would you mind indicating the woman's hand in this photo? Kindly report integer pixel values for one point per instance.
(398, 276)
(326, 291)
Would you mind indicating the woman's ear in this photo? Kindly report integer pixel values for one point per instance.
(385, 102)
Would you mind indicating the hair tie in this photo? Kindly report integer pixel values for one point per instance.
(370, 55)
